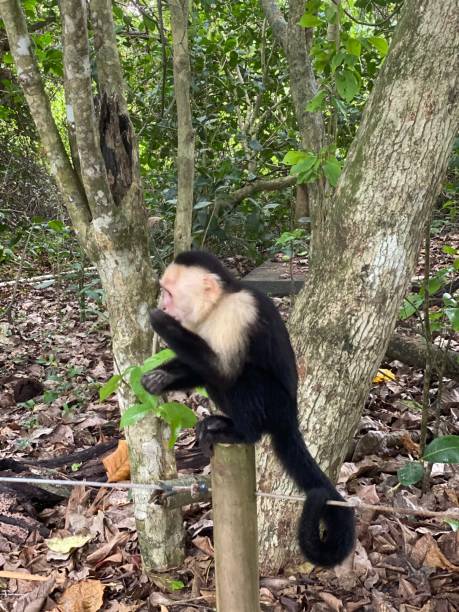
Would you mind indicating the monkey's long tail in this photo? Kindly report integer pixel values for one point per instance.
(326, 533)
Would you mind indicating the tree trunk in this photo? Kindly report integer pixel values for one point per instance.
(107, 211)
(185, 134)
(366, 243)
(301, 203)
(296, 42)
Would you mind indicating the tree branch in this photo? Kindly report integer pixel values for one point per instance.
(277, 184)
(109, 72)
(79, 87)
(276, 21)
(185, 135)
(412, 350)
(30, 79)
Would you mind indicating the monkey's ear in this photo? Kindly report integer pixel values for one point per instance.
(212, 285)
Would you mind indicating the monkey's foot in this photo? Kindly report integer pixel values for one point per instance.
(215, 429)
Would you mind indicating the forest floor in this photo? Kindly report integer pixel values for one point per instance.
(402, 563)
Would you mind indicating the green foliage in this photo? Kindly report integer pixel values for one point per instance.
(410, 473)
(292, 242)
(443, 450)
(347, 84)
(308, 166)
(445, 316)
(380, 44)
(177, 416)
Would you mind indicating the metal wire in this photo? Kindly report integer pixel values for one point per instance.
(171, 489)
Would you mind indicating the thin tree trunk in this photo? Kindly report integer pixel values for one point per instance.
(185, 135)
(108, 214)
(366, 249)
(296, 42)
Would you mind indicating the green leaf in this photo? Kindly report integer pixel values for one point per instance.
(157, 360)
(354, 46)
(178, 416)
(316, 103)
(411, 304)
(309, 21)
(411, 473)
(443, 450)
(304, 165)
(449, 250)
(293, 157)
(332, 170)
(109, 387)
(347, 84)
(56, 225)
(337, 60)
(135, 413)
(453, 523)
(141, 393)
(380, 44)
(50, 396)
(436, 283)
(176, 585)
(202, 391)
(453, 317)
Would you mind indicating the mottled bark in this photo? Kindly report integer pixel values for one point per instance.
(365, 248)
(79, 88)
(301, 203)
(110, 219)
(109, 74)
(185, 133)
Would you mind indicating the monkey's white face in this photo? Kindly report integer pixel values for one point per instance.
(188, 294)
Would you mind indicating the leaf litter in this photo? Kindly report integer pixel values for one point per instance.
(401, 563)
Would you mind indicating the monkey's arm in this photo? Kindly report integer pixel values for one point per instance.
(171, 376)
(191, 350)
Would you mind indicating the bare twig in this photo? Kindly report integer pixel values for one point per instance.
(377, 24)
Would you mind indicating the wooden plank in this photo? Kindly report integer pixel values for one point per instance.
(273, 277)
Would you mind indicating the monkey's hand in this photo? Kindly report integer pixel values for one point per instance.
(215, 429)
(156, 381)
(161, 321)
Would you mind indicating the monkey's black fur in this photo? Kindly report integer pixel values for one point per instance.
(260, 398)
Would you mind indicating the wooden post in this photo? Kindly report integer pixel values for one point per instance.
(235, 528)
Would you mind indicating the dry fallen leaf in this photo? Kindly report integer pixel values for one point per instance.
(65, 545)
(104, 551)
(117, 463)
(14, 575)
(204, 544)
(333, 602)
(85, 596)
(426, 552)
(34, 600)
(383, 375)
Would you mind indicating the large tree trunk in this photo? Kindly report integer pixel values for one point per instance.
(366, 241)
(109, 217)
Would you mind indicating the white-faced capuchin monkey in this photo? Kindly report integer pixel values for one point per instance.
(231, 339)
